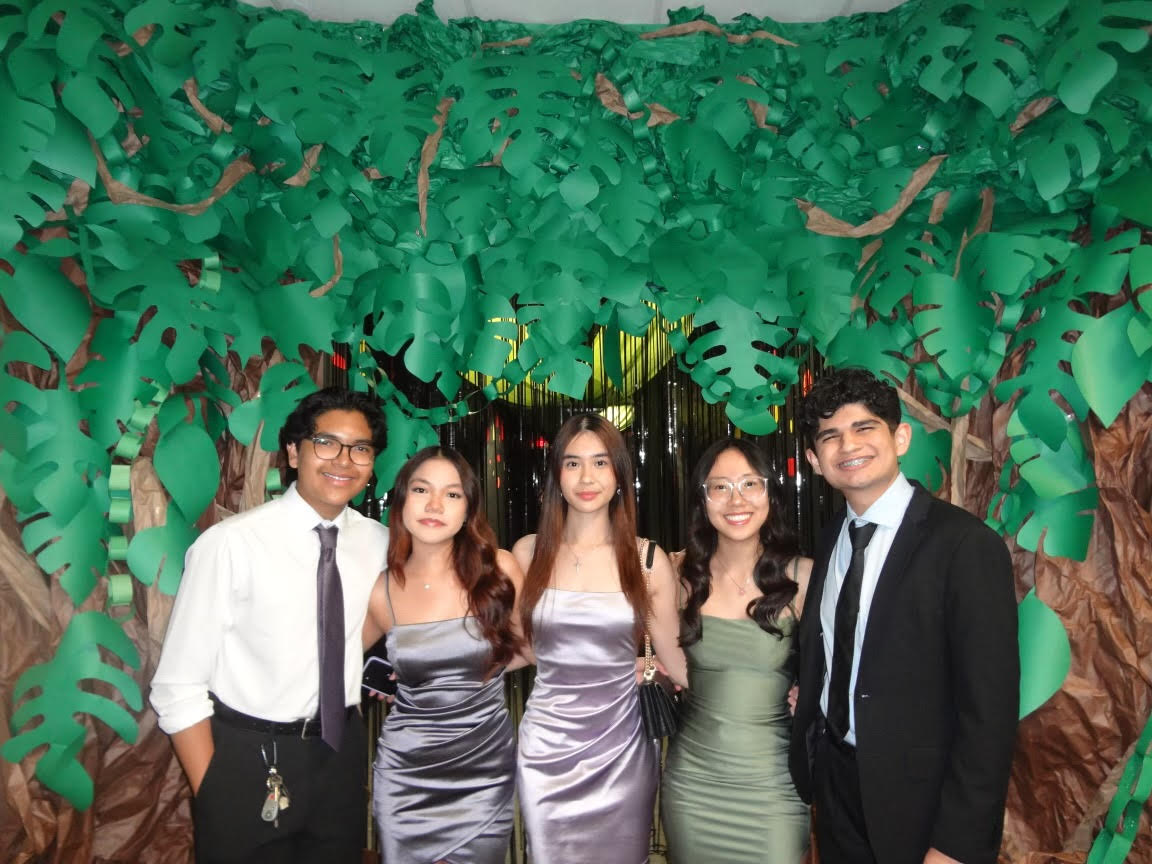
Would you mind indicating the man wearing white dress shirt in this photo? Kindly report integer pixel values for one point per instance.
(259, 680)
(909, 665)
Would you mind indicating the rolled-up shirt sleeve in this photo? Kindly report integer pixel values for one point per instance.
(200, 617)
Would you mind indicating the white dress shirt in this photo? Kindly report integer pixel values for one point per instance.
(244, 622)
(886, 512)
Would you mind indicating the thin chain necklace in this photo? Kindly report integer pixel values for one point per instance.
(576, 561)
(741, 588)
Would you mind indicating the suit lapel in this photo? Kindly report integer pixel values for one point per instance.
(810, 618)
(908, 537)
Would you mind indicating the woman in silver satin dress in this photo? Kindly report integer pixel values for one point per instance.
(586, 772)
(445, 764)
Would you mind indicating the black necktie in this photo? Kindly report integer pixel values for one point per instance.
(844, 643)
(330, 634)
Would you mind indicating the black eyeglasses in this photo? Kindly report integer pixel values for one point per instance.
(751, 487)
(329, 449)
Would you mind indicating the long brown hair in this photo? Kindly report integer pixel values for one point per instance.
(491, 594)
(554, 510)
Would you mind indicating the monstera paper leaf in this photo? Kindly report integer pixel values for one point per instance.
(284, 53)
(417, 311)
(928, 454)
(1063, 153)
(732, 353)
(30, 126)
(1111, 361)
(997, 58)
(1053, 499)
(519, 101)
(198, 317)
(1077, 66)
(61, 697)
(283, 385)
(880, 347)
(39, 470)
(905, 254)
(401, 98)
(20, 205)
(957, 327)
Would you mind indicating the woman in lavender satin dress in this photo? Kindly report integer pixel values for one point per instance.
(444, 775)
(587, 773)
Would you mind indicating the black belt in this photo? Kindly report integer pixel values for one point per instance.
(308, 727)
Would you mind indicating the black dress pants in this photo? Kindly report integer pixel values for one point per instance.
(326, 821)
(841, 835)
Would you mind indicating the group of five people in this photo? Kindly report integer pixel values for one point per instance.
(901, 636)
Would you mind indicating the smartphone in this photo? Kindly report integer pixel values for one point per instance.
(377, 676)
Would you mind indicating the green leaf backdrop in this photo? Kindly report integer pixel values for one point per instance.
(944, 193)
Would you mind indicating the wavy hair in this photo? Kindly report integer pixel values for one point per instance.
(491, 594)
(845, 386)
(776, 539)
(554, 511)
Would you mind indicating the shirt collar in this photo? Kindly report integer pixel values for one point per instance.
(888, 510)
(299, 514)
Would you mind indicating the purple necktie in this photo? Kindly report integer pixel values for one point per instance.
(330, 633)
(844, 641)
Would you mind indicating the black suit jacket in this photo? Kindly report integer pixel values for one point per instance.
(938, 688)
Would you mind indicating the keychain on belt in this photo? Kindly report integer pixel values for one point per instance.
(277, 797)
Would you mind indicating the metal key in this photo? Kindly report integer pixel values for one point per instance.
(270, 812)
(284, 799)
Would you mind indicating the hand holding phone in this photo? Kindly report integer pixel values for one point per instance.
(378, 678)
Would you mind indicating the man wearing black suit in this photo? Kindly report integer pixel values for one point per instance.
(909, 664)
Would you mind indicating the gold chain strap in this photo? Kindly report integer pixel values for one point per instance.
(649, 664)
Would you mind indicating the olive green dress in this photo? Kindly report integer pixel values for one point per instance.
(727, 795)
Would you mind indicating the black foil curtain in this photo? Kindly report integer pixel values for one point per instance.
(665, 421)
(667, 425)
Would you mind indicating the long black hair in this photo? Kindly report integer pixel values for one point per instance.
(776, 538)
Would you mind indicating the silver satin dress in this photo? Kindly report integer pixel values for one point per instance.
(445, 764)
(587, 774)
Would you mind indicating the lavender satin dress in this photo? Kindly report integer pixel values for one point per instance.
(445, 764)
(587, 774)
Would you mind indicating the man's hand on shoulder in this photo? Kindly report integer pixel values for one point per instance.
(935, 856)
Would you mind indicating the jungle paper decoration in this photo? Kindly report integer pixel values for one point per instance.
(944, 193)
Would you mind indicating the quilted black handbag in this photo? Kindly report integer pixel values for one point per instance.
(658, 706)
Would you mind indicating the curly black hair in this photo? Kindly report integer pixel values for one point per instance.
(301, 423)
(839, 387)
(776, 538)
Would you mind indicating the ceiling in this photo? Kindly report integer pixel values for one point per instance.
(555, 11)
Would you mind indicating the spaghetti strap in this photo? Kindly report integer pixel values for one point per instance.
(796, 579)
(388, 597)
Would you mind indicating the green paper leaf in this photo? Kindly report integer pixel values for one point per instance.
(189, 467)
(60, 698)
(1079, 67)
(1045, 655)
(159, 552)
(293, 318)
(28, 129)
(281, 388)
(90, 104)
(43, 300)
(929, 455)
(22, 203)
(1106, 365)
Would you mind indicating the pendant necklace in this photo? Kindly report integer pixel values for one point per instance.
(741, 588)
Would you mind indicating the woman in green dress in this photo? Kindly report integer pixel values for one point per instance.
(727, 795)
